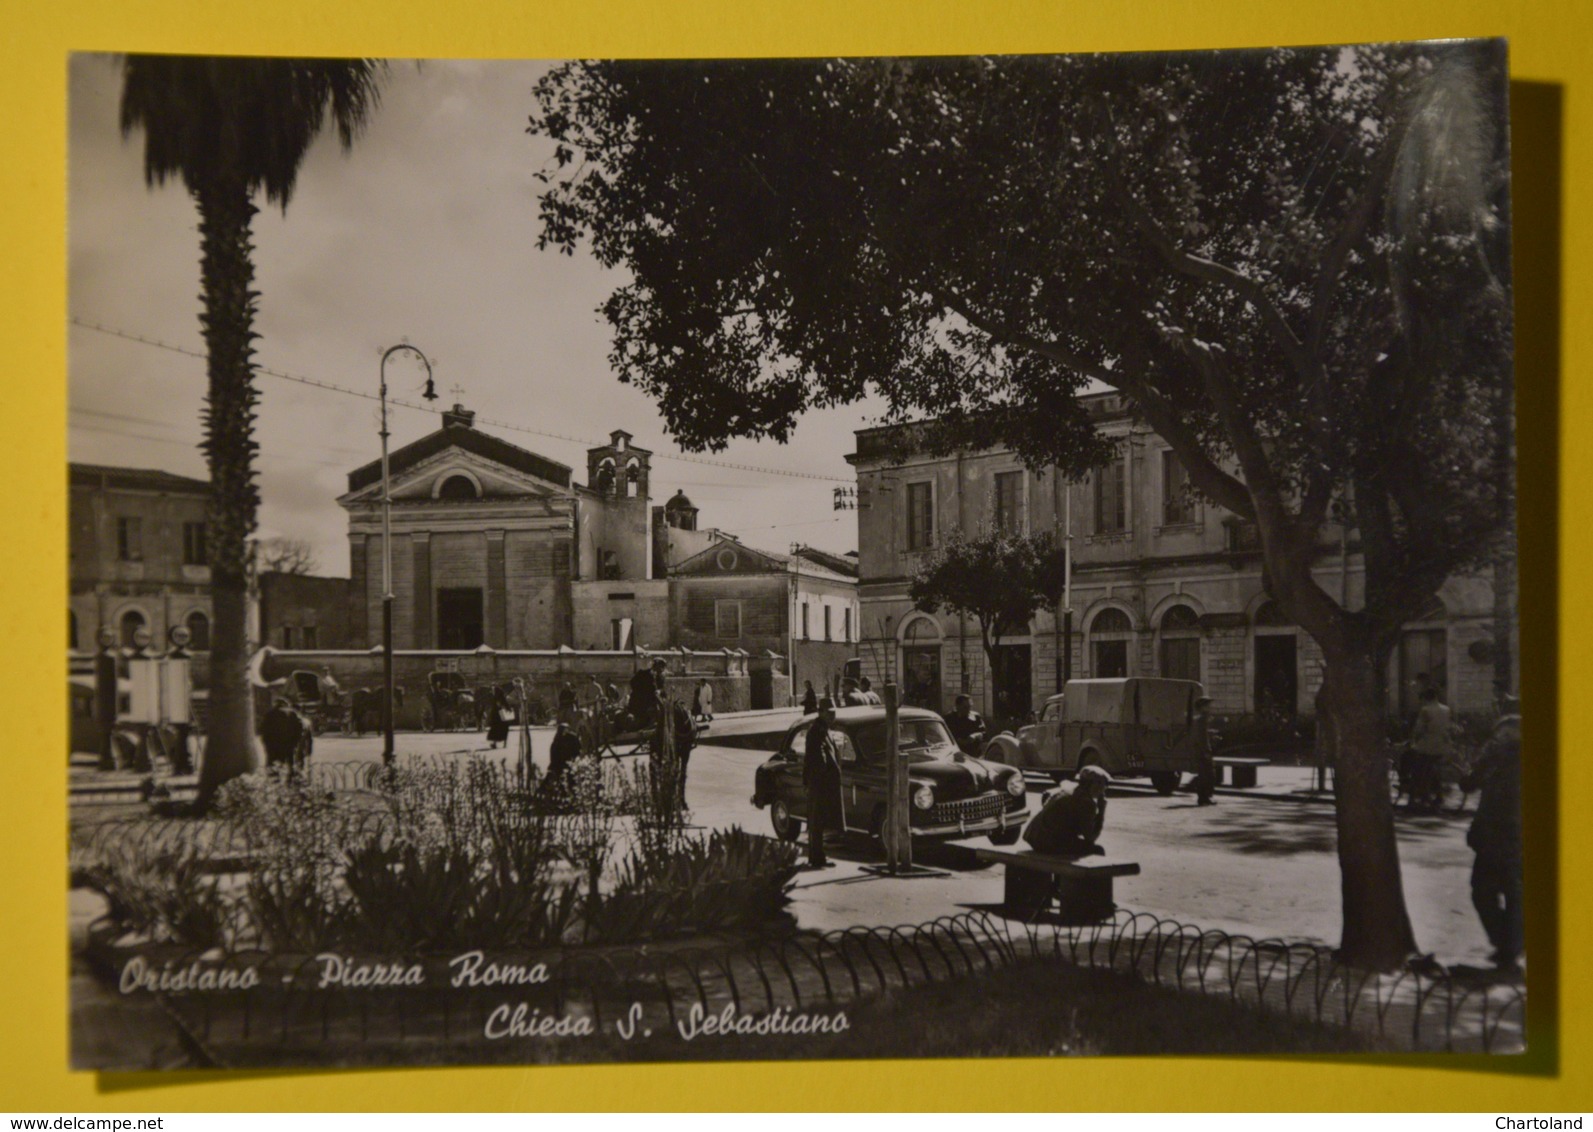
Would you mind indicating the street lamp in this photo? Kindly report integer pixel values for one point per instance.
(387, 552)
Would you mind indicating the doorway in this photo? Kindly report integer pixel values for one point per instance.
(921, 677)
(1277, 677)
(459, 619)
(1013, 684)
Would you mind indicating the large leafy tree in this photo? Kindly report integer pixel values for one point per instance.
(230, 128)
(1292, 263)
(998, 577)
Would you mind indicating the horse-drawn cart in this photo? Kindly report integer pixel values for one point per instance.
(322, 704)
(451, 703)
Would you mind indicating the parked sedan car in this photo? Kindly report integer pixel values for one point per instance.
(950, 795)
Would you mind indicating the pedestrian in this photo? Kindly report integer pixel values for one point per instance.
(593, 698)
(810, 699)
(685, 739)
(703, 701)
(870, 696)
(1070, 820)
(1429, 746)
(646, 686)
(567, 703)
(562, 755)
(1495, 837)
(282, 735)
(1204, 740)
(850, 695)
(821, 776)
(501, 714)
(967, 726)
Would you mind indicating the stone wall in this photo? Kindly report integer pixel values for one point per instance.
(729, 672)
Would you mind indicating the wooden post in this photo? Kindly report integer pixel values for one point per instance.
(898, 838)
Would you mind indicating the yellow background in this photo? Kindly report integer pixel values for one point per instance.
(1549, 45)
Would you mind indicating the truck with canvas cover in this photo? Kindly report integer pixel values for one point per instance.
(1138, 726)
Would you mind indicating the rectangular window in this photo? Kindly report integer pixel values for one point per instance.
(827, 623)
(920, 516)
(1178, 506)
(805, 621)
(287, 636)
(1009, 501)
(130, 539)
(1111, 516)
(727, 619)
(846, 624)
(310, 637)
(194, 550)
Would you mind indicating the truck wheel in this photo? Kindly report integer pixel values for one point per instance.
(786, 827)
(1165, 781)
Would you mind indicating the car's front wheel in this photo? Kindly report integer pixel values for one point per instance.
(786, 827)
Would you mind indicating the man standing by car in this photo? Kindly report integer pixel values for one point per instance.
(821, 775)
(967, 726)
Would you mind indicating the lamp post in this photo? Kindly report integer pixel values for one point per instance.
(387, 552)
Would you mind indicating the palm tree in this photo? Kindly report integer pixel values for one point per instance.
(230, 127)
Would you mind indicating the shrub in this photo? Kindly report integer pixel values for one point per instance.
(729, 879)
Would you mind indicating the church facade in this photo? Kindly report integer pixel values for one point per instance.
(495, 545)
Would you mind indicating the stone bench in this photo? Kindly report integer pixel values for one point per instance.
(1081, 885)
(1242, 772)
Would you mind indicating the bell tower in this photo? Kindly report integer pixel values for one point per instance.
(618, 472)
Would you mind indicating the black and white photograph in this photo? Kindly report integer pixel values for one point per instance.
(792, 559)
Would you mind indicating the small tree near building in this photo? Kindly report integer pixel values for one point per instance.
(1000, 578)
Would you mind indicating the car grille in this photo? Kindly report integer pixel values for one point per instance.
(982, 808)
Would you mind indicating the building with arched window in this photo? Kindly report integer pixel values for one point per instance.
(1164, 584)
(138, 557)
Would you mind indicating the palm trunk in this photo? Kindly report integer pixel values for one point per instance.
(1377, 929)
(227, 277)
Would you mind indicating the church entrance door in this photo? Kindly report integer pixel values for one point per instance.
(460, 624)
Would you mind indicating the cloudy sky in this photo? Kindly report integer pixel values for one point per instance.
(425, 232)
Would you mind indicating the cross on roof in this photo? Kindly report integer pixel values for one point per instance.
(457, 390)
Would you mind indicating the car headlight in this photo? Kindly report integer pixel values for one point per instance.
(923, 797)
(1015, 786)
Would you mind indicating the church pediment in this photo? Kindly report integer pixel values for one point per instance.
(457, 475)
(730, 557)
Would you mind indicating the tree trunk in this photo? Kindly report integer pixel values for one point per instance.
(1377, 930)
(226, 277)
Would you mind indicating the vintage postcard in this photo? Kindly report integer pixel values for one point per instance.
(792, 559)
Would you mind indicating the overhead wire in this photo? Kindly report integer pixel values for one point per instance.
(317, 383)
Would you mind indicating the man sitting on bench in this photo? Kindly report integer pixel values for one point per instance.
(1071, 819)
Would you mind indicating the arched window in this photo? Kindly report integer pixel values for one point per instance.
(458, 487)
(1180, 644)
(1110, 633)
(198, 631)
(922, 631)
(132, 622)
(1111, 620)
